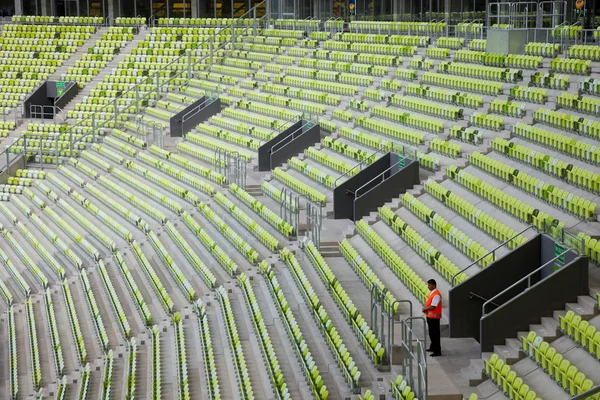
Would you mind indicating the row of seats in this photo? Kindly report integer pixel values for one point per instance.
(190, 165)
(468, 246)
(575, 175)
(211, 144)
(553, 363)
(339, 350)
(268, 351)
(543, 49)
(402, 134)
(183, 384)
(499, 60)
(74, 323)
(249, 253)
(84, 381)
(239, 361)
(299, 186)
(468, 85)
(585, 52)
(258, 231)
(583, 104)
(571, 66)
(107, 374)
(316, 174)
(421, 246)
(186, 288)
(529, 94)
(57, 354)
(114, 301)
(131, 369)
(366, 274)
(263, 211)
(310, 95)
(468, 135)
(445, 148)
(208, 355)
(419, 41)
(211, 246)
(398, 27)
(13, 373)
(331, 162)
(337, 145)
(508, 108)
(446, 96)
(48, 19)
(360, 326)
(34, 355)
(404, 75)
(562, 143)
(189, 253)
(310, 369)
(481, 72)
(403, 271)
(425, 107)
(475, 215)
(499, 372)
(557, 197)
(136, 294)
(401, 390)
(155, 281)
(486, 121)
(511, 205)
(582, 332)
(94, 311)
(549, 80)
(590, 85)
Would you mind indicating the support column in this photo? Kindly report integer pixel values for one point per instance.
(195, 8)
(18, 7)
(113, 10)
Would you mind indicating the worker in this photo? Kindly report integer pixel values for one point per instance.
(433, 312)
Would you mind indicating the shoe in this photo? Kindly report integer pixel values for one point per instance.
(435, 354)
(429, 350)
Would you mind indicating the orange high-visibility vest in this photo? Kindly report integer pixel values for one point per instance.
(436, 313)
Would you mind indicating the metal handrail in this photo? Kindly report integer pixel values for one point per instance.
(528, 277)
(471, 295)
(356, 166)
(587, 394)
(453, 280)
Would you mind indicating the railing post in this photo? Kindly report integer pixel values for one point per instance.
(210, 46)
(116, 113)
(7, 156)
(40, 153)
(137, 99)
(232, 35)
(57, 151)
(25, 150)
(94, 128)
(189, 62)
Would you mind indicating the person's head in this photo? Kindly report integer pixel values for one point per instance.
(431, 284)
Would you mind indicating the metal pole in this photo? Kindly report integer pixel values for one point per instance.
(116, 113)
(189, 60)
(40, 153)
(210, 43)
(56, 144)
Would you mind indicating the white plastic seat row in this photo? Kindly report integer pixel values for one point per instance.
(207, 352)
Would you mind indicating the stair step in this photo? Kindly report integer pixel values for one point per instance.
(551, 324)
(509, 354)
(559, 313)
(588, 301)
(473, 376)
(549, 335)
(586, 311)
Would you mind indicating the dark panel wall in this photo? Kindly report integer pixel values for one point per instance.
(45, 94)
(538, 301)
(374, 194)
(197, 112)
(465, 310)
(287, 144)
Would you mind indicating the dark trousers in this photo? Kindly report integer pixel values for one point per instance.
(433, 325)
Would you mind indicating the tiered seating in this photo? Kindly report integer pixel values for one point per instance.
(566, 375)
(274, 370)
(444, 147)
(471, 248)
(133, 289)
(476, 216)
(543, 49)
(59, 363)
(207, 352)
(217, 252)
(74, 322)
(155, 368)
(61, 388)
(36, 369)
(160, 290)
(487, 121)
(499, 372)
(404, 135)
(425, 107)
(571, 66)
(583, 104)
(311, 371)
(529, 94)
(367, 275)
(445, 96)
(549, 80)
(363, 332)
(13, 373)
(180, 354)
(481, 72)
(581, 331)
(559, 198)
(94, 310)
(298, 186)
(402, 270)
(243, 376)
(468, 135)
(107, 375)
(422, 247)
(310, 171)
(84, 382)
(259, 232)
(506, 107)
(340, 352)
(468, 85)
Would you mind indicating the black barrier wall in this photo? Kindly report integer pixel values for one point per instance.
(378, 184)
(293, 140)
(197, 112)
(540, 300)
(45, 96)
(466, 299)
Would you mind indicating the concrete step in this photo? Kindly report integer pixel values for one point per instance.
(475, 372)
(586, 311)
(589, 301)
(508, 353)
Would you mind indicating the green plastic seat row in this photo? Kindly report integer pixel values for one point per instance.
(438, 53)
(422, 247)
(507, 380)
(405, 118)
(339, 350)
(474, 215)
(468, 85)
(573, 174)
(389, 130)
(311, 371)
(401, 269)
(571, 66)
(481, 72)
(470, 247)
(492, 122)
(299, 186)
(529, 94)
(568, 122)
(208, 355)
(401, 390)
(542, 49)
(258, 231)
(581, 331)
(559, 198)
(235, 344)
(583, 104)
(420, 41)
(236, 126)
(400, 27)
(344, 148)
(478, 45)
(445, 96)
(565, 375)
(313, 173)
(468, 135)
(445, 148)
(211, 144)
(549, 80)
(361, 328)
(427, 107)
(585, 52)
(590, 86)
(421, 63)
(508, 108)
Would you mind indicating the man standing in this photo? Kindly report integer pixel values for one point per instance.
(433, 312)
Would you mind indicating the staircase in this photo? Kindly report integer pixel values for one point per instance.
(511, 353)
